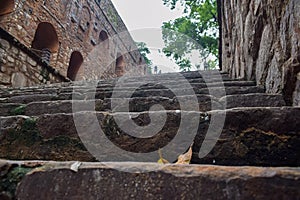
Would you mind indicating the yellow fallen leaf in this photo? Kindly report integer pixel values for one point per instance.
(161, 159)
(185, 158)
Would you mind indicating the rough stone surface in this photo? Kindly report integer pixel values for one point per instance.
(297, 92)
(261, 41)
(18, 80)
(252, 100)
(254, 136)
(257, 136)
(56, 180)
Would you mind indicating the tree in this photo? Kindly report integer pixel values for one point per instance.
(196, 30)
(144, 51)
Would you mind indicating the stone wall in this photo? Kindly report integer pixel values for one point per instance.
(261, 41)
(20, 67)
(74, 26)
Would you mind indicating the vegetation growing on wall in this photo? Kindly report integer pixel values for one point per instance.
(144, 51)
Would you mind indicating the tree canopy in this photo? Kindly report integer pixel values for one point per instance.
(144, 51)
(196, 30)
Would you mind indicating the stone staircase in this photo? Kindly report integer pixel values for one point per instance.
(256, 153)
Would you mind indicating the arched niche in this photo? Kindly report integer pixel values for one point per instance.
(103, 37)
(120, 65)
(76, 61)
(7, 6)
(140, 61)
(45, 38)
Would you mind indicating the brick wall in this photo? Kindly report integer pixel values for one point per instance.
(20, 67)
(65, 27)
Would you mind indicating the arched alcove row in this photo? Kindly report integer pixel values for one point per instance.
(7, 6)
(120, 65)
(76, 61)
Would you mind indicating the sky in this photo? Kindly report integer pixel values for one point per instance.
(144, 19)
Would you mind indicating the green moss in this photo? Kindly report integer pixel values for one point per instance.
(20, 110)
(9, 181)
(63, 141)
(45, 74)
(27, 135)
(113, 17)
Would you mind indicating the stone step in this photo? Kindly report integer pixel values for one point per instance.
(192, 77)
(100, 94)
(125, 87)
(101, 84)
(95, 181)
(250, 136)
(253, 100)
(140, 104)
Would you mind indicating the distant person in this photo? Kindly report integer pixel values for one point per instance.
(206, 65)
(159, 72)
(155, 69)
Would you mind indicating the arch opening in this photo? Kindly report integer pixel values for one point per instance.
(103, 38)
(76, 61)
(7, 6)
(45, 41)
(45, 38)
(120, 66)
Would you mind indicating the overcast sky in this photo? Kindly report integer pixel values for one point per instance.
(144, 19)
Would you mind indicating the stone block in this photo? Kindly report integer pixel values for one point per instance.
(4, 78)
(31, 61)
(18, 80)
(3, 69)
(24, 68)
(10, 59)
(22, 56)
(4, 44)
(15, 50)
(93, 181)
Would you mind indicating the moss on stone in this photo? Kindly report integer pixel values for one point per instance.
(63, 141)
(10, 180)
(27, 135)
(20, 110)
(45, 74)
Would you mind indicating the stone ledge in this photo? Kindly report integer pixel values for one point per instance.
(266, 136)
(56, 180)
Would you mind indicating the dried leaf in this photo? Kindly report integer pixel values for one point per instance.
(185, 158)
(161, 159)
(74, 167)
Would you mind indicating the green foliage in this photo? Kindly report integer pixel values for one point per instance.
(144, 51)
(197, 30)
(9, 181)
(20, 110)
(27, 135)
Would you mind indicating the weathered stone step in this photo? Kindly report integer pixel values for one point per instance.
(250, 136)
(110, 88)
(254, 136)
(141, 104)
(192, 77)
(253, 100)
(100, 94)
(93, 181)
